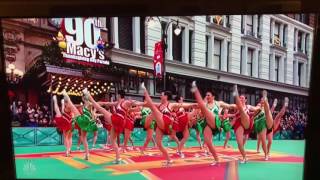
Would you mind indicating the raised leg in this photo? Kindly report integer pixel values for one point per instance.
(269, 119)
(56, 107)
(243, 115)
(155, 111)
(210, 117)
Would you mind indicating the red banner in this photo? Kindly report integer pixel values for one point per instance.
(158, 60)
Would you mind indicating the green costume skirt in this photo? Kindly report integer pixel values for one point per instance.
(260, 122)
(226, 125)
(85, 121)
(218, 126)
(144, 113)
(200, 125)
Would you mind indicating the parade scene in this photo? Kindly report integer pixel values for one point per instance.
(169, 97)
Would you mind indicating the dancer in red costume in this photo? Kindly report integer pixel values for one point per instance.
(243, 122)
(63, 121)
(117, 119)
(165, 120)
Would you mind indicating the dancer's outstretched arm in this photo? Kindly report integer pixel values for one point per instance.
(227, 106)
(183, 105)
(108, 104)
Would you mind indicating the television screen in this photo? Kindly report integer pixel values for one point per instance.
(169, 97)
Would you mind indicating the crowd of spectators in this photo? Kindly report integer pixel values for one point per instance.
(27, 115)
(293, 124)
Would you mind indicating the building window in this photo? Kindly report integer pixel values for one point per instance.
(108, 26)
(241, 58)
(306, 43)
(249, 62)
(249, 25)
(190, 46)
(285, 69)
(276, 33)
(228, 55)
(284, 35)
(276, 68)
(259, 26)
(207, 50)
(242, 24)
(228, 21)
(217, 54)
(142, 35)
(177, 44)
(270, 57)
(299, 73)
(299, 41)
(125, 33)
(259, 63)
(208, 19)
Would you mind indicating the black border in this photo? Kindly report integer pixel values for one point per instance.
(65, 8)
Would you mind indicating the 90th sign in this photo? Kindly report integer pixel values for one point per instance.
(81, 39)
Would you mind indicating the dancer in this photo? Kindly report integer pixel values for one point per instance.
(211, 110)
(243, 124)
(275, 102)
(149, 125)
(130, 119)
(226, 125)
(63, 121)
(117, 119)
(276, 125)
(198, 124)
(260, 124)
(164, 122)
(84, 120)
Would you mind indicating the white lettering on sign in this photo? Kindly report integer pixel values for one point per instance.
(81, 36)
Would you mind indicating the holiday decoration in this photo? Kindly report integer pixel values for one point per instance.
(61, 40)
(100, 44)
(158, 60)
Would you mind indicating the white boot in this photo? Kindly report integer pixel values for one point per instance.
(193, 86)
(286, 101)
(235, 90)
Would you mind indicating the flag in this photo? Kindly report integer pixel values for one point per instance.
(158, 60)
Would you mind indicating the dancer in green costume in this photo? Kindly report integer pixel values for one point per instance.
(211, 111)
(84, 120)
(226, 125)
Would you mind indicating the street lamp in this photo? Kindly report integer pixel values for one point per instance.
(164, 37)
(14, 74)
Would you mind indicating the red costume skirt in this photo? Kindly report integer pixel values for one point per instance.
(107, 126)
(182, 123)
(118, 122)
(63, 123)
(168, 125)
(129, 124)
(237, 124)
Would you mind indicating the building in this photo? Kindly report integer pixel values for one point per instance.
(256, 52)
